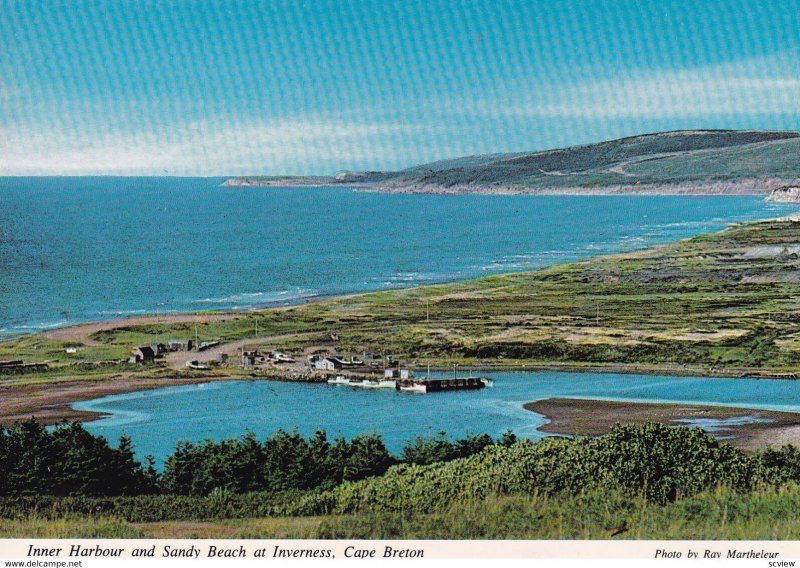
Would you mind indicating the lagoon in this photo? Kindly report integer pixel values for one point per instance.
(157, 419)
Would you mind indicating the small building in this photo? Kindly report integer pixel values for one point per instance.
(158, 348)
(397, 373)
(142, 355)
(180, 345)
(252, 357)
(329, 364)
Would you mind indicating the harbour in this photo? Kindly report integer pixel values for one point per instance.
(156, 419)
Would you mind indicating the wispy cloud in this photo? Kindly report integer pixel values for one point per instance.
(750, 87)
(746, 92)
(203, 148)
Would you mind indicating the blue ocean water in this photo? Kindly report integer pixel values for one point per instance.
(157, 419)
(83, 249)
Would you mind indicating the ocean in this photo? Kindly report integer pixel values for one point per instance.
(85, 249)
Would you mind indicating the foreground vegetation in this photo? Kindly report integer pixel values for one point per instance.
(718, 514)
(69, 461)
(644, 481)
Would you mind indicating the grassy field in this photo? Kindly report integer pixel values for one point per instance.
(716, 515)
(717, 304)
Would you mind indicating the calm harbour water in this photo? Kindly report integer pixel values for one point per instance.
(157, 419)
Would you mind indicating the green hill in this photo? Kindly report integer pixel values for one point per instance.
(707, 161)
(688, 162)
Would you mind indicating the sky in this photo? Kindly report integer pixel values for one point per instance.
(230, 87)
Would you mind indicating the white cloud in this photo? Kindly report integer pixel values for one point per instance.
(201, 148)
(750, 87)
(360, 138)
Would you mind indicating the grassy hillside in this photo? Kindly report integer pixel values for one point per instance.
(692, 161)
(662, 160)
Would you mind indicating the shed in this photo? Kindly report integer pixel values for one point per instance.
(142, 354)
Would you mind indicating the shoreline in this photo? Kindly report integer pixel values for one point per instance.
(305, 326)
(739, 188)
(745, 428)
(52, 403)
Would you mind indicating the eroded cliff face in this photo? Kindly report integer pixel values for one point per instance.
(785, 194)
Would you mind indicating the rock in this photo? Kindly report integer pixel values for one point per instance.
(786, 194)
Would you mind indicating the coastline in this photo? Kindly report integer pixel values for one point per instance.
(53, 403)
(774, 190)
(745, 428)
(499, 302)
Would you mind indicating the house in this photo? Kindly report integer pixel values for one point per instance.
(252, 357)
(397, 373)
(329, 364)
(180, 345)
(158, 348)
(142, 354)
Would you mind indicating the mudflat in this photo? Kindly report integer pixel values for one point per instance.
(745, 428)
(51, 403)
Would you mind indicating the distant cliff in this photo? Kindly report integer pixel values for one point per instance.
(786, 194)
(682, 162)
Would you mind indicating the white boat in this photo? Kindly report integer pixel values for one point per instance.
(414, 387)
(339, 380)
(381, 384)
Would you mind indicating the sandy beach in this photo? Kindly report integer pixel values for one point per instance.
(51, 403)
(744, 428)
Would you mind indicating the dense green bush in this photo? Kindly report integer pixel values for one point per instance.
(285, 461)
(67, 471)
(68, 460)
(424, 451)
(654, 461)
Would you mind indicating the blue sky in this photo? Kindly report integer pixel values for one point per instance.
(230, 87)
